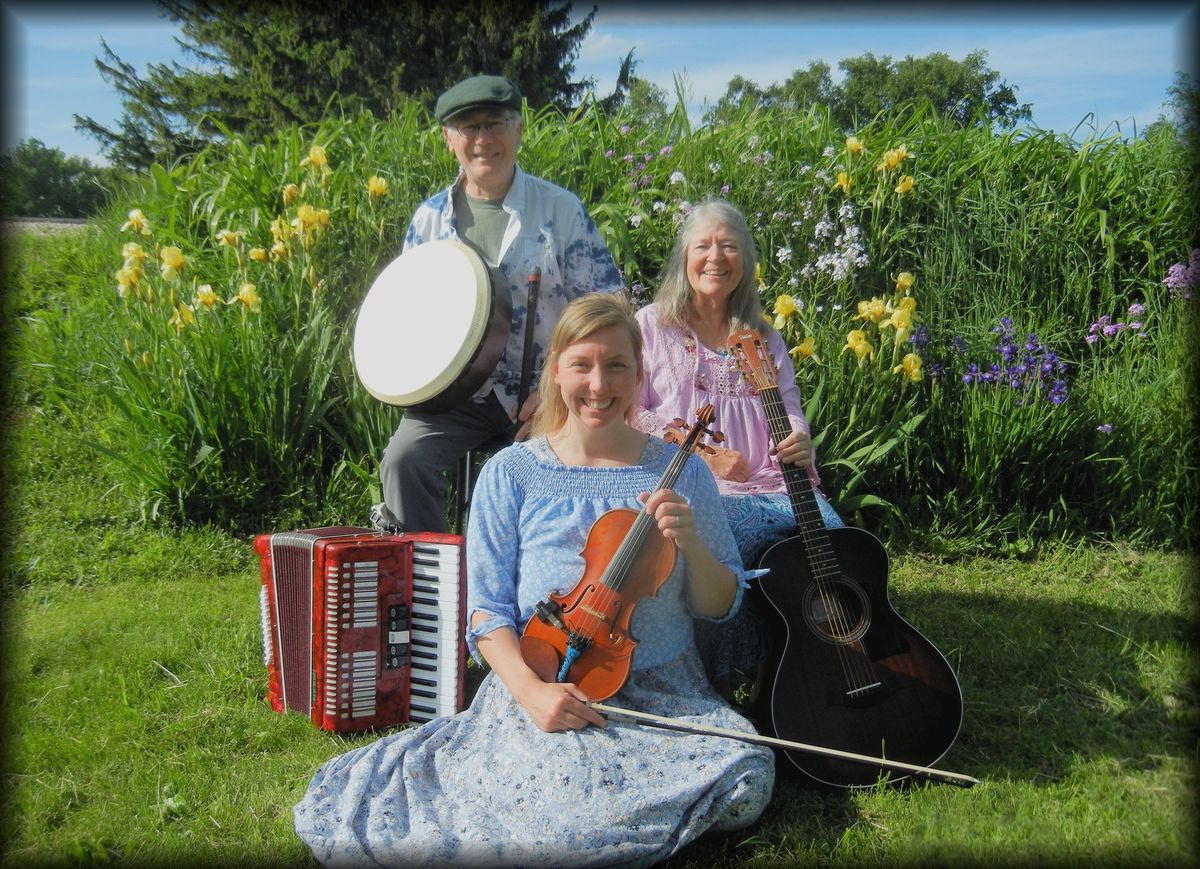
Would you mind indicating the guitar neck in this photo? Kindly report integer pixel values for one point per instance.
(799, 486)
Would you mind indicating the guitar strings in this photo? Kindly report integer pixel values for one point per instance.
(856, 669)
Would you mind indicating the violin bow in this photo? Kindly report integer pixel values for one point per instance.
(650, 720)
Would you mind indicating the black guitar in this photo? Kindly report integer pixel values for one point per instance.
(845, 671)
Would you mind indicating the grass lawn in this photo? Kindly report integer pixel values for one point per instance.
(137, 732)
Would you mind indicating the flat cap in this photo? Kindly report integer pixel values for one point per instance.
(479, 90)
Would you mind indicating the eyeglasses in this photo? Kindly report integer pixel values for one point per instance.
(492, 128)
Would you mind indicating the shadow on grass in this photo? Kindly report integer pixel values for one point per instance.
(1047, 687)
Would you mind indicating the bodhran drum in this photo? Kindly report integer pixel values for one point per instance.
(431, 328)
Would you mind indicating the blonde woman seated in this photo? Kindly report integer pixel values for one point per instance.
(529, 774)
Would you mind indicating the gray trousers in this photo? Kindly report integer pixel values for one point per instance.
(414, 464)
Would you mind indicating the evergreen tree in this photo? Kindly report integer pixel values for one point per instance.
(260, 67)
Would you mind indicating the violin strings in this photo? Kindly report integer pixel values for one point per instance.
(619, 566)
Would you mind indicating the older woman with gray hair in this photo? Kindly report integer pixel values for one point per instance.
(708, 291)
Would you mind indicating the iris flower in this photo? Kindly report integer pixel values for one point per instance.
(805, 349)
(172, 262)
(316, 158)
(377, 186)
(857, 341)
(904, 282)
(910, 367)
(248, 296)
(137, 222)
(785, 306)
(874, 310)
(205, 296)
(182, 316)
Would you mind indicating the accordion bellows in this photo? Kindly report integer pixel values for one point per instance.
(363, 630)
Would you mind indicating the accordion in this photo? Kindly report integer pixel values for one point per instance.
(363, 630)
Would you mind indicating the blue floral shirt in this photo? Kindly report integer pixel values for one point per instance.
(548, 228)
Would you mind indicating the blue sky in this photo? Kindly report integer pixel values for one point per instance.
(1107, 66)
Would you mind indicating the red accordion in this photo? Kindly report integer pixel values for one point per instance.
(362, 629)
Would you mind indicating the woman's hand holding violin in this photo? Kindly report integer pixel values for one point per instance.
(711, 585)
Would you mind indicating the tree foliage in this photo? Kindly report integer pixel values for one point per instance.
(36, 181)
(259, 67)
(960, 90)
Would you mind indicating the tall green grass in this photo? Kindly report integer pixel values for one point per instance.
(253, 416)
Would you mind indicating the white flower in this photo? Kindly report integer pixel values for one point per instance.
(828, 152)
(677, 177)
(783, 254)
(635, 220)
(714, 167)
(659, 205)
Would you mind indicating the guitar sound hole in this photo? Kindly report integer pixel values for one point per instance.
(837, 611)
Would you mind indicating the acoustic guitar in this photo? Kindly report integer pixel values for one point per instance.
(845, 671)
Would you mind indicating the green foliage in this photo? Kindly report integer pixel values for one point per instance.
(36, 181)
(920, 235)
(964, 91)
(263, 68)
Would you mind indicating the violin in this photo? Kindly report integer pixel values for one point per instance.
(582, 635)
(847, 672)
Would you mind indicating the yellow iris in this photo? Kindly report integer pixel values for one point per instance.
(290, 193)
(857, 341)
(230, 238)
(279, 251)
(844, 181)
(127, 278)
(172, 262)
(905, 185)
(905, 281)
(893, 158)
(785, 306)
(182, 316)
(205, 296)
(377, 186)
(134, 253)
(258, 254)
(901, 321)
(805, 349)
(853, 145)
(910, 367)
(137, 222)
(316, 158)
(874, 310)
(248, 296)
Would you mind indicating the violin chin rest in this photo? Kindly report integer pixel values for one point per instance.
(541, 657)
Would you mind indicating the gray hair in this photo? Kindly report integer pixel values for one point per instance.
(674, 297)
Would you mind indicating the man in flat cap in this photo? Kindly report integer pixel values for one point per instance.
(517, 223)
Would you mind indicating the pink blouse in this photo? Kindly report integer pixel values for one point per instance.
(682, 375)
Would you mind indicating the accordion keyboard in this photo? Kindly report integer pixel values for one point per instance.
(436, 631)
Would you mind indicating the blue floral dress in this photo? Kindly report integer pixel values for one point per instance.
(487, 787)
